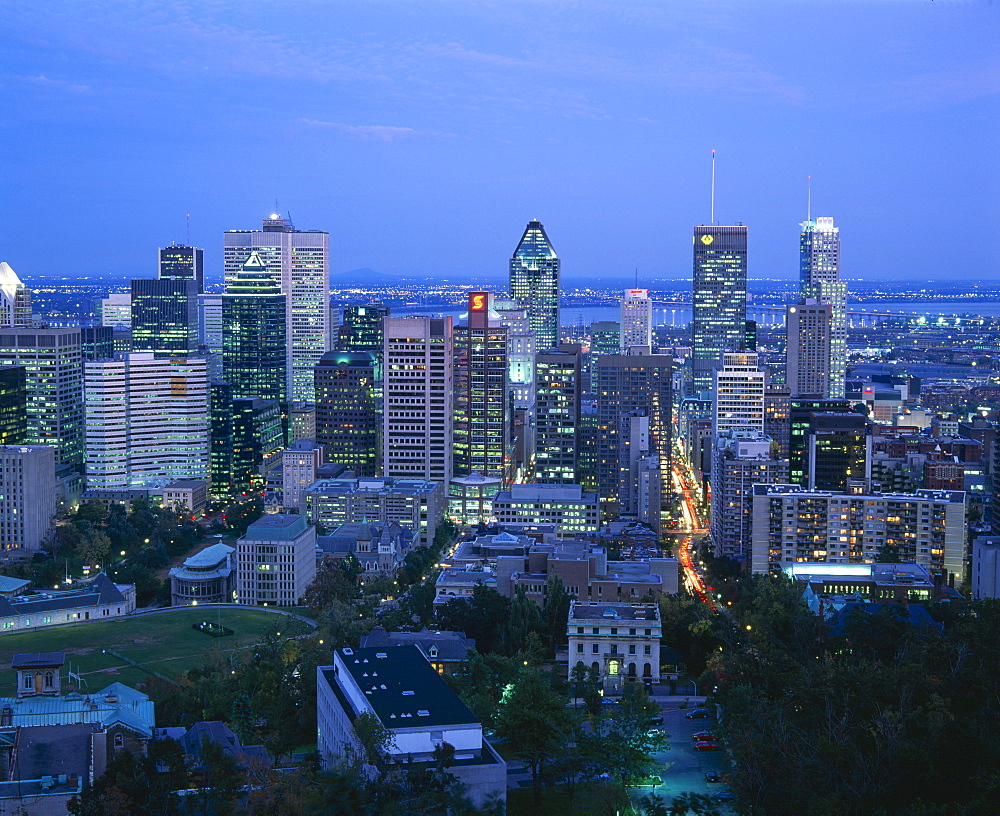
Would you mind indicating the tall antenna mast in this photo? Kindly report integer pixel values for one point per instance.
(713, 186)
(187, 227)
(637, 277)
(809, 198)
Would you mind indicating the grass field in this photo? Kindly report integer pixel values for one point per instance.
(164, 642)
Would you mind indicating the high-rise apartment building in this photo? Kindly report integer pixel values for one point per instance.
(15, 299)
(807, 347)
(557, 414)
(165, 317)
(738, 393)
(147, 421)
(52, 363)
(253, 340)
(13, 405)
(719, 298)
(819, 278)
(636, 319)
(534, 284)
(299, 263)
(349, 409)
(417, 398)
(482, 421)
(27, 495)
(179, 262)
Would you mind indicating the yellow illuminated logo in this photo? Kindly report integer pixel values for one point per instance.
(707, 239)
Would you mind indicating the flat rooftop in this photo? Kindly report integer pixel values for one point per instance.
(647, 613)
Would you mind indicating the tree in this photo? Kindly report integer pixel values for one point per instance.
(557, 601)
(624, 743)
(483, 616)
(94, 547)
(330, 585)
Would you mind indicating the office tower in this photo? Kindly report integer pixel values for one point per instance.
(636, 319)
(792, 524)
(51, 358)
(97, 342)
(253, 333)
(534, 284)
(349, 409)
(275, 561)
(210, 322)
(116, 309)
(179, 262)
(15, 299)
(302, 421)
(605, 338)
(777, 407)
(719, 298)
(807, 348)
(557, 414)
(481, 430)
(258, 440)
(521, 350)
(636, 382)
(299, 263)
(819, 278)
(749, 335)
(838, 451)
(13, 405)
(417, 398)
(220, 439)
(361, 328)
(147, 421)
(165, 317)
(800, 419)
(738, 393)
(741, 458)
(299, 463)
(27, 495)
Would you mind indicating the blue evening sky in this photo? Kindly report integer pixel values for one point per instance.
(423, 134)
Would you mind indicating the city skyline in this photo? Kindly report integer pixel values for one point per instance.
(598, 119)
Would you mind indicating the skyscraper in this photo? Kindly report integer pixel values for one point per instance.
(253, 333)
(738, 393)
(636, 319)
(299, 263)
(13, 405)
(15, 299)
(116, 309)
(482, 422)
(534, 284)
(179, 262)
(165, 316)
(418, 370)
(361, 329)
(719, 297)
(557, 414)
(807, 347)
(819, 277)
(349, 409)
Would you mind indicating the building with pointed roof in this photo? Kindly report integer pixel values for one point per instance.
(534, 284)
(101, 599)
(15, 299)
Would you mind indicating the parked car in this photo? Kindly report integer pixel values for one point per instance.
(704, 736)
(655, 720)
(698, 714)
(706, 746)
(713, 777)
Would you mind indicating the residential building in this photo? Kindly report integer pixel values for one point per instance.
(636, 319)
(558, 396)
(116, 310)
(534, 284)
(417, 398)
(275, 561)
(165, 317)
(147, 421)
(417, 504)
(620, 641)
(738, 393)
(100, 599)
(254, 342)
(568, 505)
(299, 262)
(481, 425)
(28, 495)
(349, 409)
(15, 299)
(179, 262)
(720, 298)
(406, 695)
(299, 463)
(206, 577)
(52, 363)
(445, 651)
(808, 341)
(819, 278)
(13, 405)
(793, 524)
(742, 457)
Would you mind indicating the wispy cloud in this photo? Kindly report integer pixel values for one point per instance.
(371, 133)
(64, 84)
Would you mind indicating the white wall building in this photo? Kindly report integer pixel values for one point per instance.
(299, 462)
(15, 299)
(147, 421)
(210, 321)
(807, 347)
(986, 567)
(636, 319)
(621, 641)
(275, 561)
(116, 309)
(738, 393)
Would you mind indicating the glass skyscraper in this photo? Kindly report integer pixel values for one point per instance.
(719, 298)
(819, 278)
(557, 414)
(253, 333)
(165, 316)
(534, 284)
(349, 409)
(178, 262)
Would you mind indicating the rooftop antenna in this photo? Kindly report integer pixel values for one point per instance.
(713, 186)
(637, 277)
(187, 227)
(809, 197)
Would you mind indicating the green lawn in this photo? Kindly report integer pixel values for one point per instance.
(590, 799)
(164, 642)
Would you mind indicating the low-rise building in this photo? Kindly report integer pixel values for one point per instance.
(275, 561)
(874, 582)
(445, 651)
(470, 498)
(575, 511)
(403, 692)
(299, 463)
(379, 548)
(186, 495)
(457, 583)
(621, 642)
(205, 577)
(101, 599)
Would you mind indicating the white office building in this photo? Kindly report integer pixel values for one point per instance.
(738, 393)
(116, 309)
(275, 561)
(27, 495)
(636, 319)
(210, 321)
